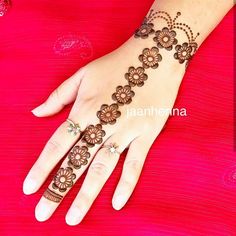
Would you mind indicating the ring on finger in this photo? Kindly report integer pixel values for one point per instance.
(112, 148)
(73, 128)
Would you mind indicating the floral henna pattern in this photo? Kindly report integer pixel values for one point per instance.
(123, 95)
(108, 114)
(146, 27)
(165, 38)
(183, 52)
(93, 135)
(136, 76)
(150, 58)
(63, 179)
(78, 156)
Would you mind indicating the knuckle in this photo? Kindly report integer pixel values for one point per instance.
(131, 172)
(82, 200)
(53, 146)
(99, 168)
(132, 165)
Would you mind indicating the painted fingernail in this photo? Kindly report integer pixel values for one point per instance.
(29, 186)
(36, 111)
(118, 202)
(42, 211)
(74, 216)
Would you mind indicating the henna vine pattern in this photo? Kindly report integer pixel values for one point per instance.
(63, 179)
(78, 156)
(166, 38)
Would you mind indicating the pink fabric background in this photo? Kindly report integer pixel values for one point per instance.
(188, 186)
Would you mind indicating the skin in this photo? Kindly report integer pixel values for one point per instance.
(92, 86)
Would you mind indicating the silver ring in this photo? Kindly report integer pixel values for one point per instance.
(73, 128)
(112, 148)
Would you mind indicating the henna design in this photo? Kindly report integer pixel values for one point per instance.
(146, 27)
(108, 114)
(78, 156)
(165, 38)
(150, 58)
(123, 95)
(52, 196)
(93, 135)
(183, 52)
(63, 179)
(136, 76)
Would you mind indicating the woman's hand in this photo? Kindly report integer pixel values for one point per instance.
(116, 103)
(108, 80)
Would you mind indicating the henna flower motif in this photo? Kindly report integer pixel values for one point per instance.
(123, 95)
(184, 52)
(108, 114)
(78, 156)
(136, 76)
(144, 30)
(150, 58)
(165, 38)
(93, 135)
(63, 179)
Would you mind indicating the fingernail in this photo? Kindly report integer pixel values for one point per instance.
(36, 111)
(42, 211)
(29, 186)
(119, 201)
(74, 216)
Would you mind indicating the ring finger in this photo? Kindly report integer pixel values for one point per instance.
(98, 173)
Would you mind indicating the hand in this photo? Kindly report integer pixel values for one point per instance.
(89, 88)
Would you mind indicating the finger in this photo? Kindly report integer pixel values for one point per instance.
(98, 173)
(62, 96)
(55, 149)
(131, 171)
(71, 169)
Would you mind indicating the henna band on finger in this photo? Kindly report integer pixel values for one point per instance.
(52, 196)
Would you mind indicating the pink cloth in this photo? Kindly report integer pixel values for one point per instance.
(188, 185)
